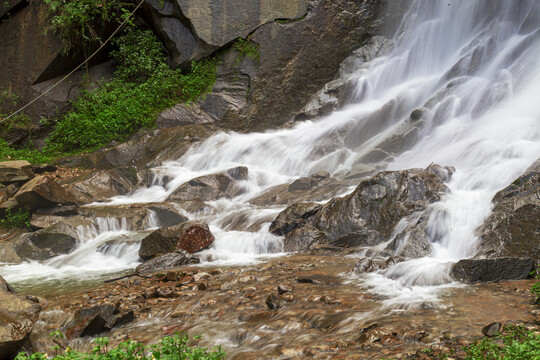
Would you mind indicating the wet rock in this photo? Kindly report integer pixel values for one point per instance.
(307, 183)
(171, 276)
(208, 188)
(302, 239)
(15, 171)
(43, 168)
(41, 192)
(285, 288)
(481, 270)
(369, 214)
(413, 242)
(17, 319)
(443, 173)
(238, 173)
(167, 216)
(273, 302)
(249, 279)
(513, 228)
(60, 238)
(191, 235)
(293, 217)
(95, 320)
(492, 329)
(167, 261)
(100, 185)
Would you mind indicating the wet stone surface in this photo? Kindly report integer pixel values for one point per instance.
(301, 306)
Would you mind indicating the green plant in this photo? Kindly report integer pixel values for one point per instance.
(176, 347)
(535, 289)
(515, 343)
(247, 49)
(16, 219)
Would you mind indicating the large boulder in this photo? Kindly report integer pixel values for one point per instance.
(211, 187)
(190, 235)
(368, 215)
(100, 185)
(17, 319)
(15, 171)
(217, 22)
(482, 270)
(40, 192)
(513, 228)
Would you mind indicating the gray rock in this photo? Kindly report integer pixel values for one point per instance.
(209, 188)
(482, 270)
(95, 320)
(166, 261)
(101, 185)
(293, 217)
(492, 329)
(302, 239)
(513, 228)
(182, 114)
(17, 319)
(218, 23)
(165, 240)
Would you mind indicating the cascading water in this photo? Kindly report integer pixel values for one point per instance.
(469, 70)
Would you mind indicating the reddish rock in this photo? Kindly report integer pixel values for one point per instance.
(195, 238)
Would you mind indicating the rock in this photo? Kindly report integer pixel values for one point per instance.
(17, 319)
(492, 329)
(273, 302)
(195, 238)
(15, 171)
(302, 239)
(167, 216)
(189, 235)
(285, 288)
(60, 238)
(513, 228)
(443, 173)
(167, 261)
(481, 270)
(218, 23)
(182, 114)
(40, 192)
(307, 183)
(208, 188)
(42, 168)
(100, 185)
(413, 242)
(238, 173)
(41, 221)
(293, 217)
(368, 215)
(95, 320)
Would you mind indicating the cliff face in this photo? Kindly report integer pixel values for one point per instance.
(301, 45)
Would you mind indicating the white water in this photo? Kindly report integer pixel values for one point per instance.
(473, 66)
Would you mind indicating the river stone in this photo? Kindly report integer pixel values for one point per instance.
(42, 192)
(15, 171)
(210, 187)
(17, 319)
(482, 270)
(217, 22)
(513, 228)
(166, 261)
(100, 185)
(167, 240)
(302, 239)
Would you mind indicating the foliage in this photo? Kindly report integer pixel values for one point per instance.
(516, 343)
(77, 21)
(169, 348)
(8, 102)
(34, 156)
(247, 49)
(15, 219)
(144, 87)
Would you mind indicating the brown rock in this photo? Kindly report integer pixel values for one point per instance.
(42, 192)
(285, 288)
(15, 171)
(492, 329)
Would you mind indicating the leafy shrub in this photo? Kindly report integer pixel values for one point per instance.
(34, 156)
(16, 219)
(175, 347)
(144, 87)
(535, 289)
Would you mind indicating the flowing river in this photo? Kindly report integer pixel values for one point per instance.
(469, 70)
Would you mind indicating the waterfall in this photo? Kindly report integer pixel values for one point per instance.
(467, 71)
